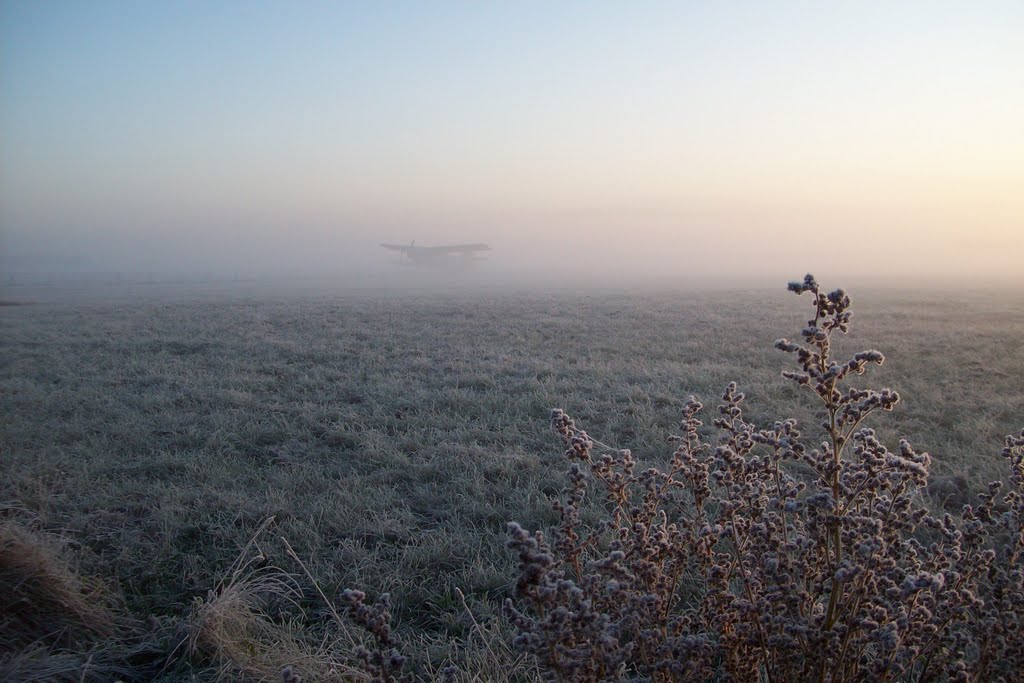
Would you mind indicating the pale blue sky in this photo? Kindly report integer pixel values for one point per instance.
(151, 135)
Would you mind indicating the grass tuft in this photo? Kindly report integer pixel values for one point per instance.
(42, 600)
(238, 627)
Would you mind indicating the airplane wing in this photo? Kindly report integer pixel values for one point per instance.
(465, 248)
(445, 249)
(450, 254)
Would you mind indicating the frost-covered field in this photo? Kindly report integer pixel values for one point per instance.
(391, 437)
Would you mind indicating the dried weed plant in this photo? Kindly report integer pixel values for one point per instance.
(764, 555)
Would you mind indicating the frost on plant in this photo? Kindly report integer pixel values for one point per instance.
(764, 554)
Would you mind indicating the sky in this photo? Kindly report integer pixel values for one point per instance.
(766, 139)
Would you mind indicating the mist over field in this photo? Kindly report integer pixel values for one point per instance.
(627, 247)
(626, 259)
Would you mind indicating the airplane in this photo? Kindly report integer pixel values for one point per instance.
(452, 254)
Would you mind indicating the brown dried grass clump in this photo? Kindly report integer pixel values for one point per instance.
(42, 600)
(54, 624)
(235, 628)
